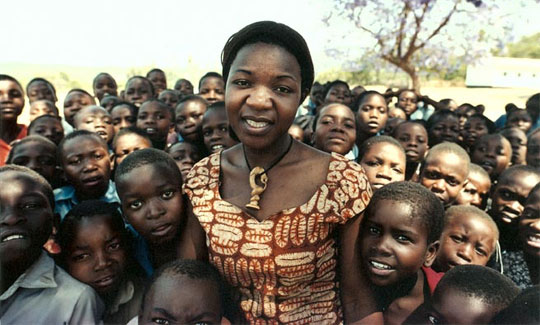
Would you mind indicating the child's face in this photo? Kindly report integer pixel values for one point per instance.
(520, 119)
(475, 192)
(212, 89)
(296, 132)
(163, 305)
(446, 129)
(108, 102)
(37, 156)
(510, 195)
(474, 128)
(49, 128)
(384, 163)
(184, 87)
(394, 244)
(215, 130)
(11, 100)
(533, 151)
(95, 119)
(492, 153)
(40, 90)
(445, 176)
(407, 102)
(372, 114)
(158, 79)
(391, 124)
(185, 155)
(87, 166)
(41, 107)
(155, 120)
(336, 129)
(189, 117)
(128, 143)
(340, 94)
(152, 203)
(105, 85)
(529, 225)
(397, 113)
(26, 219)
(74, 102)
(137, 91)
(455, 307)
(466, 239)
(518, 142)
(169, 97)
(122, 117)
(414, 139)
(463, 113)
(97, 255)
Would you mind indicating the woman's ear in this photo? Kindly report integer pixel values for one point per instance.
(431, 253)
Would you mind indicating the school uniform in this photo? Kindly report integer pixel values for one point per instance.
(5, 147)
(126, 303)
(65, 199)
(46, 294)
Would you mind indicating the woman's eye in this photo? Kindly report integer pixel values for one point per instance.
(372, 163)
(167, 194)
(135, 205)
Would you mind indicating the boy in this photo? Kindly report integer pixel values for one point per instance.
(36, 153)
(156, 119)
(467, 294)
(33, 289)
(128, 140)
(444, 171)
(11, 106)
(399, 241)
(202, 300)
(185, 156)
(48, 126)
(533, 149)
(84, 157)
(188, 116)
(215, 128)
(95, 119)
(42, 107)
(76, 99)
(493, 153)
(469, 237)
(476, 191)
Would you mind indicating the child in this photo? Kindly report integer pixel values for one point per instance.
(150, 188)
(442, 126)
(469, 237)
(138, 90)
(407, 101)
(334, 129)
(467, 294)
(399, 241)
(84, 157)
(475, 127)
(75, 100)
(42, 107)
(397, 113)
(188, 116)
(337, 91)
(109, 101)
(383, 159)
(39, 88)
(95, 119)
(96, 251)
(371, 115)
(518, 142)
(212, 87)
(413, 137)
(184, 86)
(202, 301)
(104, 85)
(477, 189)
(296, 132)
(158, 79)
(445, 171)
(11, 105)
(391, 124)
(519, 118)
(463, 112)
(533, 149)
(185, 155)
(215, 128)
(169, 97)
(155, 119)
(492, 152)
(123, 115)
(523, 309)
(34, 290)
(48, 126)
(37, 153)
(128, 140)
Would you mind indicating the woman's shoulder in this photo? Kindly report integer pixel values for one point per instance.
(204, 172)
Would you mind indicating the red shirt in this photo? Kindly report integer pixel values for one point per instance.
(5, 148)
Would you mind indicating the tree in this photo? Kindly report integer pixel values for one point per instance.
(422, 35)
(526, 47)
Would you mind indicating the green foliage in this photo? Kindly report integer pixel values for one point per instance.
(526, 47)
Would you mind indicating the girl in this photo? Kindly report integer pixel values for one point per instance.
(337, 92)
(413, 137)
(211, 87)
(442, 126)
(383, 159)
(138, 90)
(335, 129)
(269, 206)
(372, 114)
(476, 126)
(104, 85)
(11, 105)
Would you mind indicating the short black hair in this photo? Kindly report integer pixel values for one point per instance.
(79, 90)
(423, 203)
(189, 98)
(47, 188)
(370, 142)
(179, 81)
(162, 105)
(522, 310)
(152, 90)
(154, 70)
(363, 96)
(404, 123)
(458, 210)
(39, 79)
(484, 283)
(148, 156)
(48, 103)
(331, 84)
(76, 134)
(477, 169)
(129, 130)
(318, 115)
(43, 117)
(448, 147)
(270, 32)
(490, 125)
(210, 74)
(132, 108)
(30, 138)
(438, 116)
(513, 171)
(102, 74)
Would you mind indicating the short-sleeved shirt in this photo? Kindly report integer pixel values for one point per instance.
(65, 198)
(46, 294)
(284, 268)
(5, 147)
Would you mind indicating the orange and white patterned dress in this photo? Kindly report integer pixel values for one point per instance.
(285, 267)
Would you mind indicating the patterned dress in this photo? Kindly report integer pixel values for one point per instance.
(284, 268)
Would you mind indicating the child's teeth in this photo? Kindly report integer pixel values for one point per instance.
(534, 238)
(12, 237)
(256, 124)
(380, 265)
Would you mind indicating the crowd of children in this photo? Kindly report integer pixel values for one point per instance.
(158, 205)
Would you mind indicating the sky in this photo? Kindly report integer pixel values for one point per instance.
(159, 33)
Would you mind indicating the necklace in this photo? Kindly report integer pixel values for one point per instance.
(260, 173)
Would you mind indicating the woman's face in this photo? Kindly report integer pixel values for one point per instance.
(262, 94)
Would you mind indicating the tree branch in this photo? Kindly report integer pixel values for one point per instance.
(418, 22)
(404, 14)
(441, 25)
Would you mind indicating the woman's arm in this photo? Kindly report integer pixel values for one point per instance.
(358, 303)
(193, 239)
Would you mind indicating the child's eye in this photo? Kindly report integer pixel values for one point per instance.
(206, 133)
(452, 182)
(457, 239)
(433, 320)
(74, 161)
(481, 252)
(135, 205)
(283, 89)
(403, 238)
(507, 195)
(114, 246)
(224, 129)
(161, 321)
(241, 83)
(167, 194)
(397, 170)
(30, 205)
(372, 163)
(80, 257)
(374, 230)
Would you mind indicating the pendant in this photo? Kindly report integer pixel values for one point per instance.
(256, 189)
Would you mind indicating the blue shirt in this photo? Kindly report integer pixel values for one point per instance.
(65, 199)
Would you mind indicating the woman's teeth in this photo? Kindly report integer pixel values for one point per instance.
(256, 124)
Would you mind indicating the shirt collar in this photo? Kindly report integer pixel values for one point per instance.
(68, 193)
